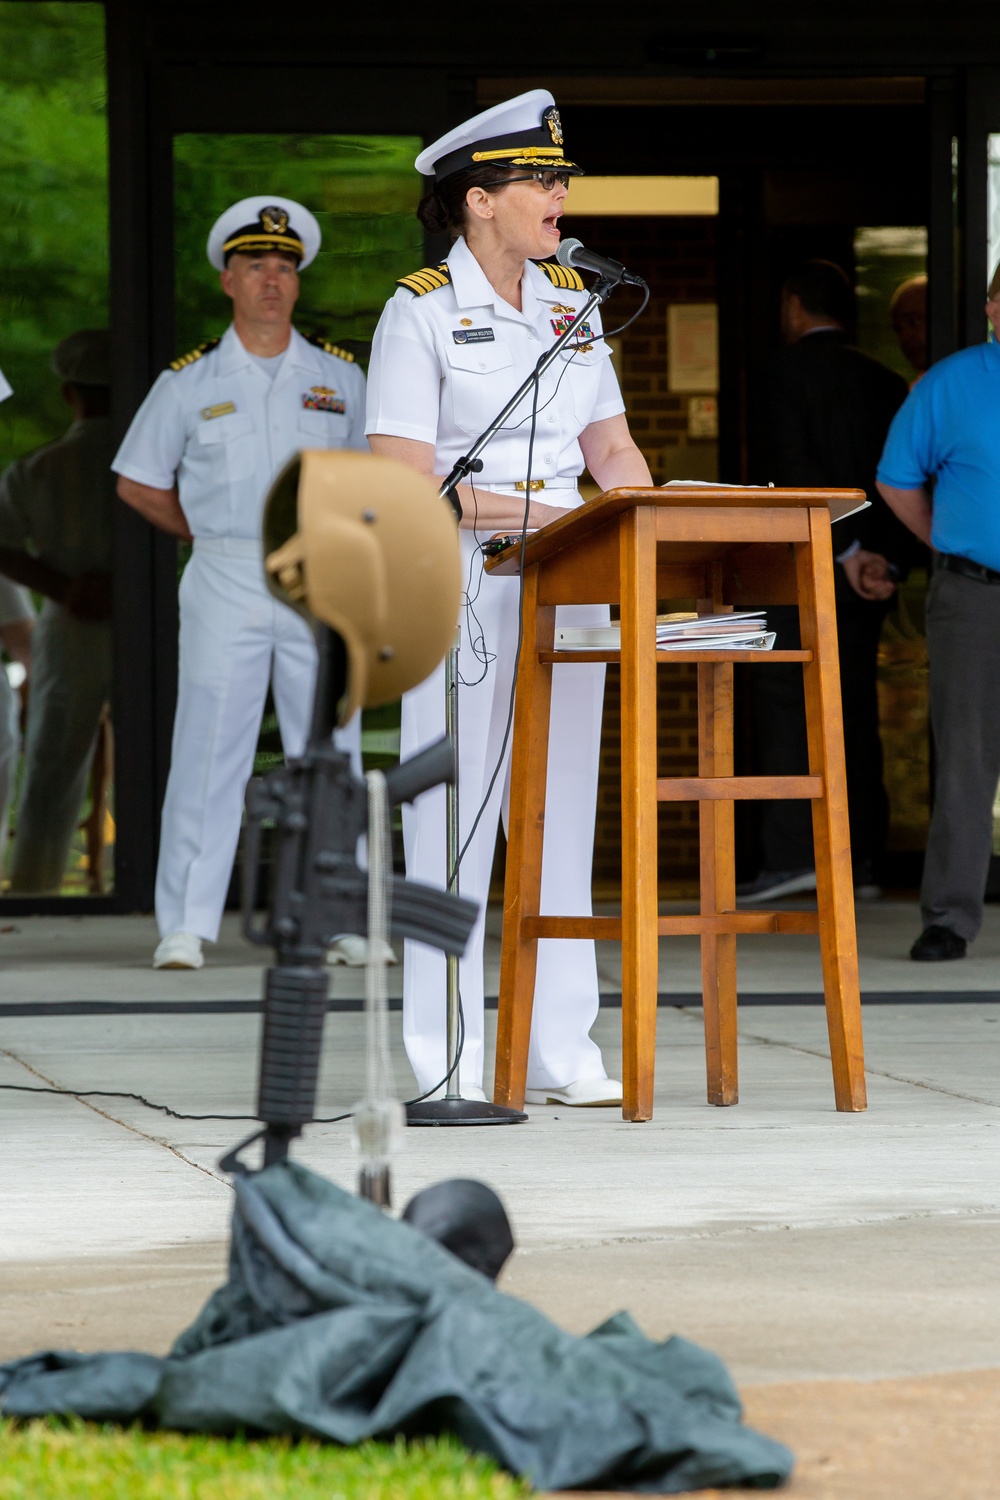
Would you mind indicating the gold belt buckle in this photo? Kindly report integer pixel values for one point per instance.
(535, 484)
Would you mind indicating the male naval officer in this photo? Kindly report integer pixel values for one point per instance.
(56, 523)
(197, 461)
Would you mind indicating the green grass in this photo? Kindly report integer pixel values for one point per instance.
(73, 1461)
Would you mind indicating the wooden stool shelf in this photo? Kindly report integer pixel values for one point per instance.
(727, 548)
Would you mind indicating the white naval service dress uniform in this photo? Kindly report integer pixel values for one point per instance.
(59, 502)
(221, 424)
(444, 362)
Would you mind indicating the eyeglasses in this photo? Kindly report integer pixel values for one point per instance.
(548, 180)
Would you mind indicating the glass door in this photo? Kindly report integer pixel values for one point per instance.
(57, 804)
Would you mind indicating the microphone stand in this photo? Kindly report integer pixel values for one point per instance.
(453, 1109)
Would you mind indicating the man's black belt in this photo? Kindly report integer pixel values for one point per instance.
(967, 568)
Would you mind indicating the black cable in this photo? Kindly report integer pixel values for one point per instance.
(28, 1088)
(177, 1114)
(520, 629)
(451, 1071)
(614, 332)
(477, 637)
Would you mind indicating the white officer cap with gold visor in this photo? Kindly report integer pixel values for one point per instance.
(256, 225)
(525, 132)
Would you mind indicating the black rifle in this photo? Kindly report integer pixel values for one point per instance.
(319, 809)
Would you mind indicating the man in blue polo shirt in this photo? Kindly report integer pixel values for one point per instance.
(947, 435)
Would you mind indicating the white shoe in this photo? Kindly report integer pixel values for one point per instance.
(586, 1093)
(180, 950)
(353, 951)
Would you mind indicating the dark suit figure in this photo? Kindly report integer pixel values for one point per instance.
(828, 407)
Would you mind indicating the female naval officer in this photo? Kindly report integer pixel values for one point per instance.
(451, 348)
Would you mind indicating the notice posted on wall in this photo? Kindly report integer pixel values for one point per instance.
(693, 347)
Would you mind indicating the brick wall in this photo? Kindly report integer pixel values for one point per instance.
(677, 258)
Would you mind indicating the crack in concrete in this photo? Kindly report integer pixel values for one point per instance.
(917, 1083)
(153, 1140)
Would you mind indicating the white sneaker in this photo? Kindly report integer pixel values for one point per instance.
(586, 1093)
(180, 950)
(353, 951)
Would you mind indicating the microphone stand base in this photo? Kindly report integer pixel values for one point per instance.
(462, 1112)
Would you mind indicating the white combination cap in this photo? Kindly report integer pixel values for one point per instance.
(257, 224)
(521, 132)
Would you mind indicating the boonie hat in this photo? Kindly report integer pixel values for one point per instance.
(366, 545)
(521, 132)
(264, 223)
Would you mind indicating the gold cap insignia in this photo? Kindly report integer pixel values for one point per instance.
(274, 220)
(552, 120)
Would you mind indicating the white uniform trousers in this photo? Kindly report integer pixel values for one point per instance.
(235, 639)
(71, 680)
(10, 749)
(566, 988)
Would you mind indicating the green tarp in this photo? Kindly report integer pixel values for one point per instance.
(341, 1323)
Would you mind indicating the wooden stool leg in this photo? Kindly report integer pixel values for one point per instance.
(718, 883)
(523, 876)
(831, 828)
(640, 907)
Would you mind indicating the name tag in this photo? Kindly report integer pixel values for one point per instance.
(473, 335)
(224, 409)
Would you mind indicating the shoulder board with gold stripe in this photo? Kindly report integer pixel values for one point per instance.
(196, 354)
(427, 280)
(328, 348)
(561, 276)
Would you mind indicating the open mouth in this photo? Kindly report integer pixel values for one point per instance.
(550, 224)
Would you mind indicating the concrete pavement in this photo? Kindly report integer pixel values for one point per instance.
(800, 1244)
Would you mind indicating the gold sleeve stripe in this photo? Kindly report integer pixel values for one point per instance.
(249, 242)
(563, 277)
(524, 154)
(424, 281)
(195, 354)
(321, 343)
(429, 279)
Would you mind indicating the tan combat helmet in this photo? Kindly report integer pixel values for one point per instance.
(365, 545)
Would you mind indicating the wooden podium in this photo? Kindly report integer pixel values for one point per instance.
(725, 547)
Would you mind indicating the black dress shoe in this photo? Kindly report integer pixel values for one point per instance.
(937, 943)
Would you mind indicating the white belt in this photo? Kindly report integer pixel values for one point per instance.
(516, 486)
(231, 546)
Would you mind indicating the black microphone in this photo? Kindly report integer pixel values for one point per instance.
(571, 253)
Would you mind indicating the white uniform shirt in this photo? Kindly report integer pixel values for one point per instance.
(59, 501)
(445, 363)
(222, 428)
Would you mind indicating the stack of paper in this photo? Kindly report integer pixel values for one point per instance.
(678, 632)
